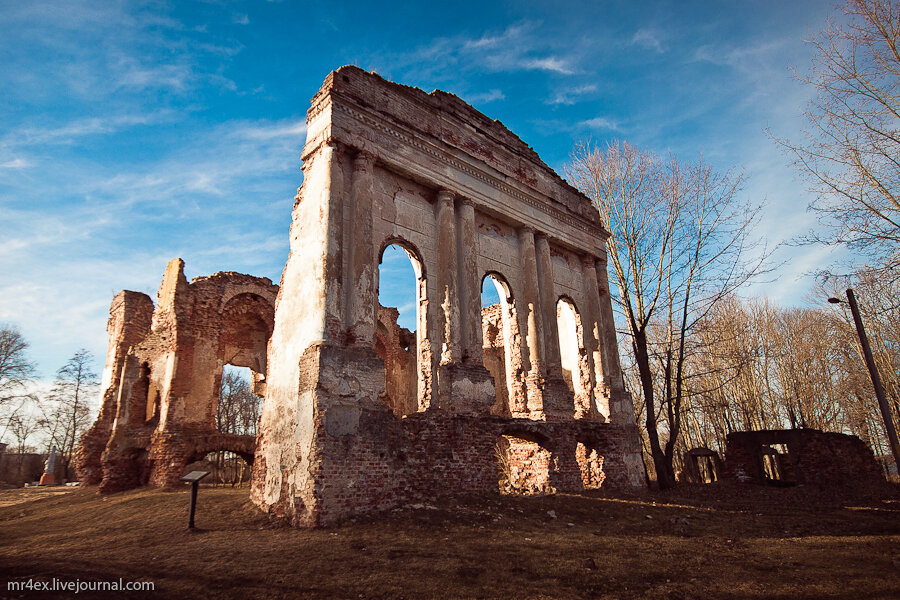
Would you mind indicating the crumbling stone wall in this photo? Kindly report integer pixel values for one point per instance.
(813, 457)
(387, 164)
(162, 379)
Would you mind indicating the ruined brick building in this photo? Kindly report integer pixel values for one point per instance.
(360, 414)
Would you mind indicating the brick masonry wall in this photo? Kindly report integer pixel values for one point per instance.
(814, 457)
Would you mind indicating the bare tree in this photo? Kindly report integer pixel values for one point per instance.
(15, 373)
(679, 245)
(850, 151)
(67, 408)
(22, 426)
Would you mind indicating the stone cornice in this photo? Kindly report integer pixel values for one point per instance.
(417, 142)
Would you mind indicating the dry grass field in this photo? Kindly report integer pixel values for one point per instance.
(714, 541)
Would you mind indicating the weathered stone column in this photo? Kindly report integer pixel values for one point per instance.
(360, 300)
(591, 329)
(548, 307)
(469, 285)
(447, 278)
(558, 400)
(334, 155)
(531, 322)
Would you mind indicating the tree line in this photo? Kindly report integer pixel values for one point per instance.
(699, 361)
(60, 415)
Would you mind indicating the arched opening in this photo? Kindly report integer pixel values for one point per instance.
(400, 330)
(247, 322)
(590, 463)
(500, 335)
(523, 465)
(237, 413)
(572, 354)
(226, 467)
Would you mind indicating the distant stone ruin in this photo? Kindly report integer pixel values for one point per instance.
(800, 456)
(360, 414)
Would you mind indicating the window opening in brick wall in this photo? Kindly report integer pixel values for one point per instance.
(523, 466)
(499, 334)
(573, 357)
(397, 330)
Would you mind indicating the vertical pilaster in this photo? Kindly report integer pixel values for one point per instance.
(331, 204)
(548, 307)
(469, 284)
(531, 321)
(620, 407)
(592, 331)
(360, 300)
(447, 279)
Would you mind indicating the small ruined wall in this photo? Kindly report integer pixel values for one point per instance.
(163, 376)
(814, 457)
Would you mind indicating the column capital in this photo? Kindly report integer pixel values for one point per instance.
(445, 196)
(363, 160)
(602, 259)
(526, 230)
(588, 261)
(465, 201)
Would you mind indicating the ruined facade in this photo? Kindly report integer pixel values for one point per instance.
(800, 456)
(466, 199)
(161, 383)
(360, 414)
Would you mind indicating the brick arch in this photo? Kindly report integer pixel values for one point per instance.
(504, 283)
(242, 445)
(247, 321)
(415, 256)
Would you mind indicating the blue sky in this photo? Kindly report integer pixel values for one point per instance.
(131, 133)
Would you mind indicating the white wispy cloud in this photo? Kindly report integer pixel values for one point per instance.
(571, 95)
(485, 97)
(518, 47)
(67, 133)
(16, 163)
(650, 38)
(599, 123)
(550, 63)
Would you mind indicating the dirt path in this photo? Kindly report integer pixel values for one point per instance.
(13, 496)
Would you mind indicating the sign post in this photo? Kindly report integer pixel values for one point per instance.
(194, 478)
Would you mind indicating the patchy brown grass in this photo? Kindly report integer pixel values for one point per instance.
(694, 542)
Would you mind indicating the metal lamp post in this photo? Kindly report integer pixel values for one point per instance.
(873, 372)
